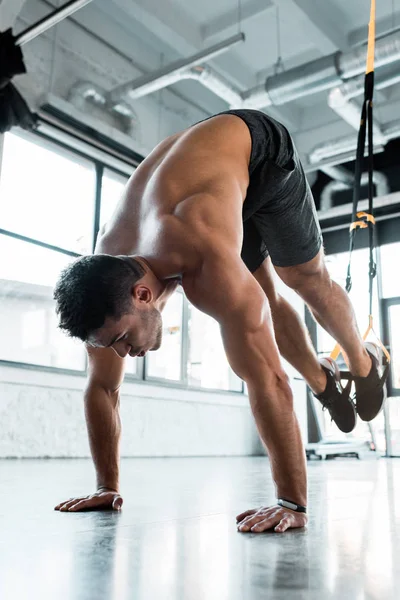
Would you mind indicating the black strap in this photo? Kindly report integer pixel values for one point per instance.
(292, 505)
(366, 120)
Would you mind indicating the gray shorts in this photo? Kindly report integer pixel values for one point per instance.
(279, 214)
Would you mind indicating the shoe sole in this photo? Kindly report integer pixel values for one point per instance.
(377, 353)
(327, 363)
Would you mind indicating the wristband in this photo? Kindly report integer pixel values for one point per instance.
(292, 505)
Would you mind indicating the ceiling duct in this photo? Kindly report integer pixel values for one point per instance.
(340, 98)
(380, 181)
(344, 149)
(150, 83)
(310, 78)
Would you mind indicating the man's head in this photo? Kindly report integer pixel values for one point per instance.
(109, 301)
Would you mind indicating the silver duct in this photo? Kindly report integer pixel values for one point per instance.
(310, 78)
(340, 174)
(344, 149)
(340, 98)
(84, 91)
(380, 181)
(321, 74)
(150, 83)
(222, 88)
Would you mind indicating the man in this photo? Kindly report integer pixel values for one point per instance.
(213, 208)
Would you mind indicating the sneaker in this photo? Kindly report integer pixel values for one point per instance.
(336, 399)
(370, 390)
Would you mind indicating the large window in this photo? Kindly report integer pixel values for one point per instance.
(390, 261)
(207, 363)
(42, 191)
(112, 187)
(29, 332)
(166, 362)
(49, 197)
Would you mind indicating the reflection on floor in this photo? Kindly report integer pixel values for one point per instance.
(176, 536)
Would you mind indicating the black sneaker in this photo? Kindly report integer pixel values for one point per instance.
(370, 390)
(336, 399)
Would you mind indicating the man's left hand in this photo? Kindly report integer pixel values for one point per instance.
(274, 517)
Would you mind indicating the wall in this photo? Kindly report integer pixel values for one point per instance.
(41, 415)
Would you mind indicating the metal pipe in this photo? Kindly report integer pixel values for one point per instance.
(221, 88)
(349, 111)
(380, 180)
(339, 173)
(340, 98)
(310, 78)
(52, 19)
(344, 149)
(387, 51)
(321, 74)
(152, 82)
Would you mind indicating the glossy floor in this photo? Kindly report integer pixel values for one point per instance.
(176, 536)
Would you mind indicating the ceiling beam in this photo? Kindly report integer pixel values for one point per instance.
(321, 19)
(176, 29)
(230, 18)
(9, 11)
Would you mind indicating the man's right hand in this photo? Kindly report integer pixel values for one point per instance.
(103, 499)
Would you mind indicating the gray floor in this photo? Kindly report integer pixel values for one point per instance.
(176, 536)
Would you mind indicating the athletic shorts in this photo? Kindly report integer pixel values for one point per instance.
(279, 214)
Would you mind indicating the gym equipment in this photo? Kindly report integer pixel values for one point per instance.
(360, 220)
(366, 220)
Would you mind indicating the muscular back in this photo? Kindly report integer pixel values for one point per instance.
(185, 196)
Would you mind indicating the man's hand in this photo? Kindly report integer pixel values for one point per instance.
(103, 499)
(277, 517)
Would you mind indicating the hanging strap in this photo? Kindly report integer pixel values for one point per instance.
(365, 220)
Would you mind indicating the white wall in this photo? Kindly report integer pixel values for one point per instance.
(41, 415)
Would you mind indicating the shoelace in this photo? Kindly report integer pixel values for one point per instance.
(329, 405)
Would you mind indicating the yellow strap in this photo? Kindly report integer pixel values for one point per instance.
(370, 329)
(336, 351)
(367, 216)
(371, 39)
(362, 224)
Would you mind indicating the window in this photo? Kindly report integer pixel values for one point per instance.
(166, 362)
(28, 322)
(394, 333)
(112, 187)
(390, 256)
(208, 366)
(42, 191)
(50, 195)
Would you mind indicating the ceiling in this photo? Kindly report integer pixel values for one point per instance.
(114, 41)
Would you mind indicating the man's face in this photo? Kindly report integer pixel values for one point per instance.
(135, 333)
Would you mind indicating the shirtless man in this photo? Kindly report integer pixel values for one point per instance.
(212, 208)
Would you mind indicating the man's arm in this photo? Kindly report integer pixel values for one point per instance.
(105, 376)
(106, 371)
(227, 291)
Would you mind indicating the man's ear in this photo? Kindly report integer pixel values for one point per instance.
(142, 293)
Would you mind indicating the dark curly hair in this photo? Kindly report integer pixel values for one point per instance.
(93, 288)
